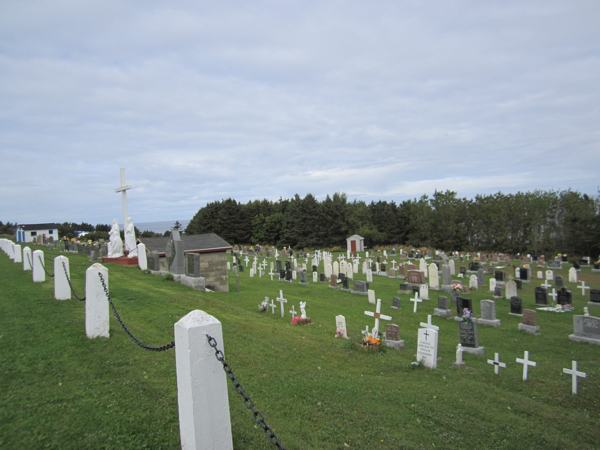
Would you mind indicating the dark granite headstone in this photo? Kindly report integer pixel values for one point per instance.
(396, 302)
(516, 305)
(463, 270)
(282, 274)
(393, 332)
(474, 266)
(334, 280)
(564, 297)
(559, 281)
(361, 286)
(468, 334)
(523, 273)
(498, 291)
(322, 277)
(462, 303)
(345, 282)
(541, 296)
(303, 277)
(595, 295)
(288, 275)
(499, 275)
(519, 284)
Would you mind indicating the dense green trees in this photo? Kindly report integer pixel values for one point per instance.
(536, 222)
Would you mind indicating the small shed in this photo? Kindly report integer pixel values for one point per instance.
(29, 233)
(213, 256)
(356, 243)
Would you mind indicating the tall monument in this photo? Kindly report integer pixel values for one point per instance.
(123, 190)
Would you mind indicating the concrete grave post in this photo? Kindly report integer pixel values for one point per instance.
(96, 302)
(62, 291)
(27, 259)
(204, 419)
(39, 276)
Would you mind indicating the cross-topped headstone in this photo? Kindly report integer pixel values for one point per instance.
(281, 301)
(575, 373)
(123, 190)
(497, 364)
(293, 312)
(526, 363)
(377, 315)
(272, 274)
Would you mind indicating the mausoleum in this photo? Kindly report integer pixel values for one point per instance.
(356, 243)
(213, 256)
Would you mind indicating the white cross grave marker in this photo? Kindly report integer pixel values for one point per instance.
(246, 260)
(365, 332)
(293, 312)
(497, 364)
(575, 373)
(281, 301)
(271, 273)
(123, 190)
(377, 315)
(583, 287)
(429, 324)
(553, 295)
(415, 301)
(526, 363)
(273, 306)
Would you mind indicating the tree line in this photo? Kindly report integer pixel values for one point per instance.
(539, 222)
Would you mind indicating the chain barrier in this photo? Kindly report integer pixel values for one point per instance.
(248, 403)
(70, 285)
(44, 267)
(29, 259)
(136, 340)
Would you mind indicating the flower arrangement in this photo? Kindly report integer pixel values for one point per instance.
(457, 287)
(467, 315)
(371, 341)
(340, 333)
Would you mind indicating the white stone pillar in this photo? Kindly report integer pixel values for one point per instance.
(39, 276)
(96, 302)
(18, 255)
(62, 291)
(141, 255)
(27, 258)
(204, 421)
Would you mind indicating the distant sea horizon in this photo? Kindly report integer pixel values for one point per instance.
(159, 227)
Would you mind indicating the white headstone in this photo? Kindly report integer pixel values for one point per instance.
(452, 265)
(549, 275)
(371, 297)
(18, 256)
(424, 292)
(27, 259)
(511, 289)
(492, 284)
(473, 282)
(572, 275)
(39, 276)
(340, 325)
(423, 266)
(142, 259)
(369, 276)
(315, 277)
(427, 344)
(434, 278)
(336, 268)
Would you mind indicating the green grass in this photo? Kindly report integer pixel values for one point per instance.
(60, 390)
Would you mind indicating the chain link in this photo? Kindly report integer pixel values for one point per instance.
(70, 285)
(29, 259)
(44, 267)
(248, 403)
(136, 340)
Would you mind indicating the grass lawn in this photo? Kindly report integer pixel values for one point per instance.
(61, 390)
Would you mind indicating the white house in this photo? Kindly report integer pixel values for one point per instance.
(28, 233)
(356, 243)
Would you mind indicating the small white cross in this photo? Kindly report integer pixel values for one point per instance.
(546, 285)
(575, 374)
(497, 364)
(394, 264)
(293, 312)
(281, 301)
(526, 363)
(365, 333)
(273, 306)
(583, 287)
(377, 316)
(553, 295)
(246, 259)
(415, 301)
(271, 273)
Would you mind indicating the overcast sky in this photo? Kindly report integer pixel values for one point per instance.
(202, 101)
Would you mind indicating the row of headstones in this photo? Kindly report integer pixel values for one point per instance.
(196, 404)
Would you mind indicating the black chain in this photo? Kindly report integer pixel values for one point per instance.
(248, 403)
(44, 267)
(30, 263)
(136, 340)
(70, 285)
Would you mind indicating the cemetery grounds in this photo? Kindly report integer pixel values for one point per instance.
(61, 390)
